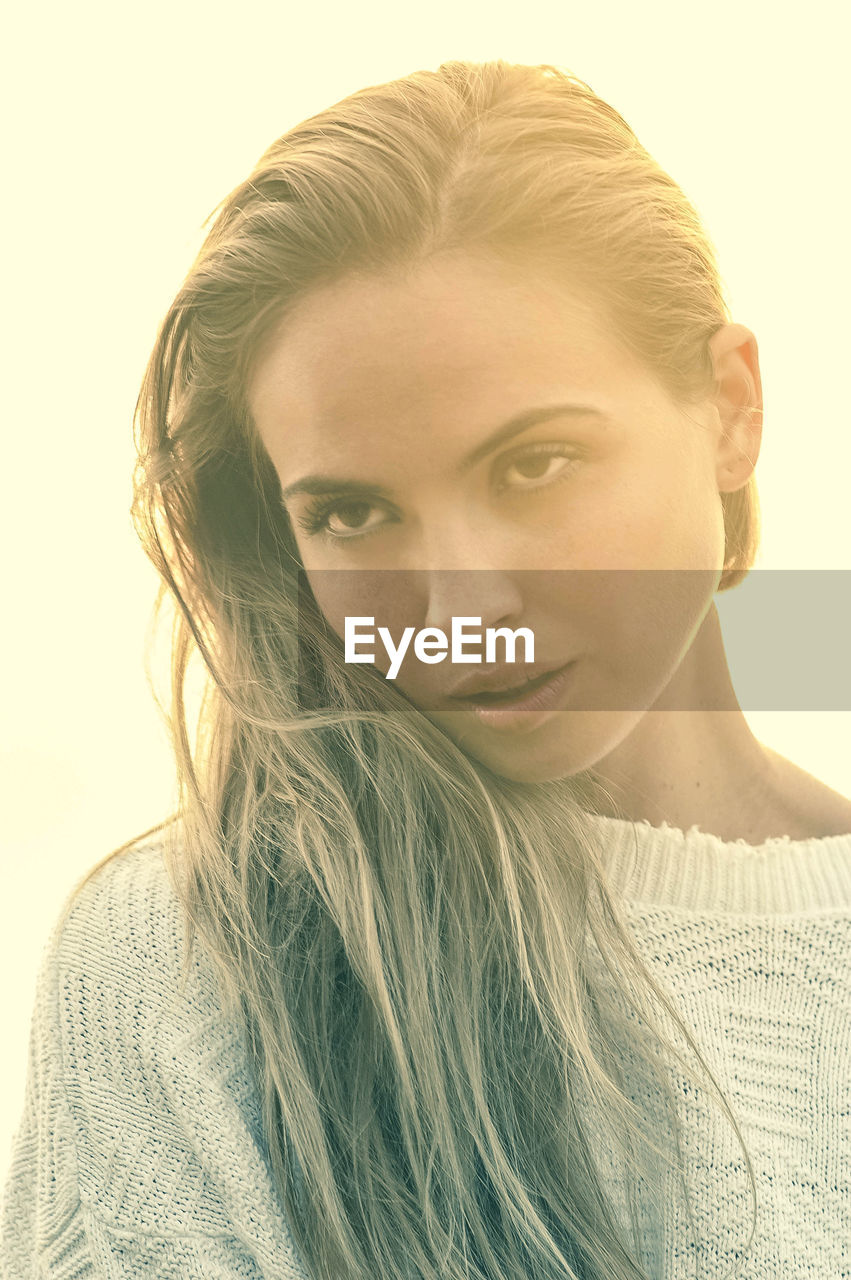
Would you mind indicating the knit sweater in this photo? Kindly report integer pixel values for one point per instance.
(140, 1151)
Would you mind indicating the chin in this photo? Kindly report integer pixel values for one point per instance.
(570, 744)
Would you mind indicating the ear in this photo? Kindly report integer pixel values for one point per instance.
(738, 399)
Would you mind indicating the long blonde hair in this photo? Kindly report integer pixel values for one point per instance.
(439, 990)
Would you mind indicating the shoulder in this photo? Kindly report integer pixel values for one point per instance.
(141, 1140)
(123, 913)
(118, 955)
(131, 999)
(124, 924)
(810, 807)
(155, 1068)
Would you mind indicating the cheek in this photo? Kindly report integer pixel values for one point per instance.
(333, 595)
(387, 597)
(673, 522)
(694, 507)
(696, 522)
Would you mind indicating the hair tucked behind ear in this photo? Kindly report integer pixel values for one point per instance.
(454, 1038)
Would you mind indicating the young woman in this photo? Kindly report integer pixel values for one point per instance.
(480, 980)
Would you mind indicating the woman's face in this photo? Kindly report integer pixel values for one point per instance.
(469, 441)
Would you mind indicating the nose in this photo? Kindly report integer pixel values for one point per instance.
(470, 579)
(489, 594)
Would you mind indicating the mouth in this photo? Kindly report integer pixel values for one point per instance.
(524, 706)
(516, 693)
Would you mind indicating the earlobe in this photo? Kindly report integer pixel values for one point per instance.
(738, 399)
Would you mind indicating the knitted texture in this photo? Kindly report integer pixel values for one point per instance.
(753, 946)
(140, 1150)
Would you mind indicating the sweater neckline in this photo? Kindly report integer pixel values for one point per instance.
(695, 870)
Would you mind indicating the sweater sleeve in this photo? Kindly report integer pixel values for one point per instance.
(140, 1150)
(42, 1228)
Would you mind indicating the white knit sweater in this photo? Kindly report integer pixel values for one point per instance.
(140, 1150)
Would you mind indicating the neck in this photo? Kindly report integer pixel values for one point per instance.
(693, 759)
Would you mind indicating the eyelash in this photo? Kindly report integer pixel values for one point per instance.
(314, 519)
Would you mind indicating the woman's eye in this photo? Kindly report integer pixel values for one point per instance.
(349, 517)
(541, 465)
(344, 520)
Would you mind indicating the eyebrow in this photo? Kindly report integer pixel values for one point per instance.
(319, 484)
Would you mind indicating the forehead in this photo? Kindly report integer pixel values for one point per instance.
(455, 345)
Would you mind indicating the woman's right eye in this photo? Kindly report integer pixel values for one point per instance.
(351, 515)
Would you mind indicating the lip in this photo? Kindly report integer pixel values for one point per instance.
(528, 710)
(501, 678)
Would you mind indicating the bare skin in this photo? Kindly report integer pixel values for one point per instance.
(393, 382)
(708, 769)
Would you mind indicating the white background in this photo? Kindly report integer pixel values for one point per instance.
(124, 128)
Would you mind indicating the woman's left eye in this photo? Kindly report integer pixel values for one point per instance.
(536, 468)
